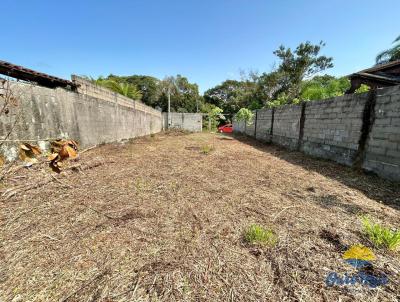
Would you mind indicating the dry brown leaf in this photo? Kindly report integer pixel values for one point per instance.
(36, 150)
(62, 150)
(24, 147)
(71, 152)
(52, 156)
(2, 161)
(28, 153)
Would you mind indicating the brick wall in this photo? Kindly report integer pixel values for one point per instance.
(358, 129)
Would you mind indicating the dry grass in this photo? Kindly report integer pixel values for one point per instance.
(157, 220)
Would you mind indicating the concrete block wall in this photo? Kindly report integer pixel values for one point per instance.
(86, 87)
(264, 125)
(239, 126)
(287, 126)
(187, 121)
(360, 130)
(383, 146)
(332, 127)
(45, 114)
(250, 127)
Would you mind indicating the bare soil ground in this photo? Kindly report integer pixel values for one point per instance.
(155, 219)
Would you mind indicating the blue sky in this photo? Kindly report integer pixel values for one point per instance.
(206, 40)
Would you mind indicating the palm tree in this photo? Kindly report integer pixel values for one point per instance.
(391, 54)
(125, 89)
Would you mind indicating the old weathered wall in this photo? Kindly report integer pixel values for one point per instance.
(187, 121)
(250, 127)
(383, 146)
(332, 127)
(90, 119)
(286, 126)
(360, 130)
(264, 123)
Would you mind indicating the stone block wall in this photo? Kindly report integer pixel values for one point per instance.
(360, 130)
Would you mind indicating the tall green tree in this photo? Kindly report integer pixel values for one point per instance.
(232, 95)
(184, 95)
(295, 67)
(147, 85)
(391, 54)
(322, 87)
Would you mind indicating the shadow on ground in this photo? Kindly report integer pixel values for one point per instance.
(388, 193)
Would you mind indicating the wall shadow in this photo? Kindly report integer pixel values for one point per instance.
(374, 187)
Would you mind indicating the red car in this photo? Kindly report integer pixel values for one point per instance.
(225, 128)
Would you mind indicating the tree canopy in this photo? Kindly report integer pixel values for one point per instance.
(185, 96)
(296, 77)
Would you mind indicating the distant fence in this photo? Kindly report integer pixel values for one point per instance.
(187, 121)
(360, 130)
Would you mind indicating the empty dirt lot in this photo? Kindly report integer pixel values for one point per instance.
(157, 219)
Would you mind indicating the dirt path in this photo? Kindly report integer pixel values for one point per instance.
(159, 220)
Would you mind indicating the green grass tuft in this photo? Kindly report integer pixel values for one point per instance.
(381, 236)
(205, 149)
(257, 234)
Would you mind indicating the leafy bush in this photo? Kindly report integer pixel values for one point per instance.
(257, 234)
(244, 114)
(381, 236)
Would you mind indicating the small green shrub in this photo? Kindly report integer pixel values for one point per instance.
(257, 234)
(205, 149)
(381, 236)
(244, 114)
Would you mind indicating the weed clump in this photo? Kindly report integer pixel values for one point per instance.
(256, 234)
(381, 236)
(206, 149)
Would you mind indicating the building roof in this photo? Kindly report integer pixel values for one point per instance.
(382, 75)
(30, 75)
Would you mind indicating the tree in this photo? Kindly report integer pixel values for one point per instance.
(119, 86)
(391, 54)
(244, 114)
(184, 95)
(214, 114)
(125, 89)
(232, 95)
(295, 67)
(322, 87)
(148, 86)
